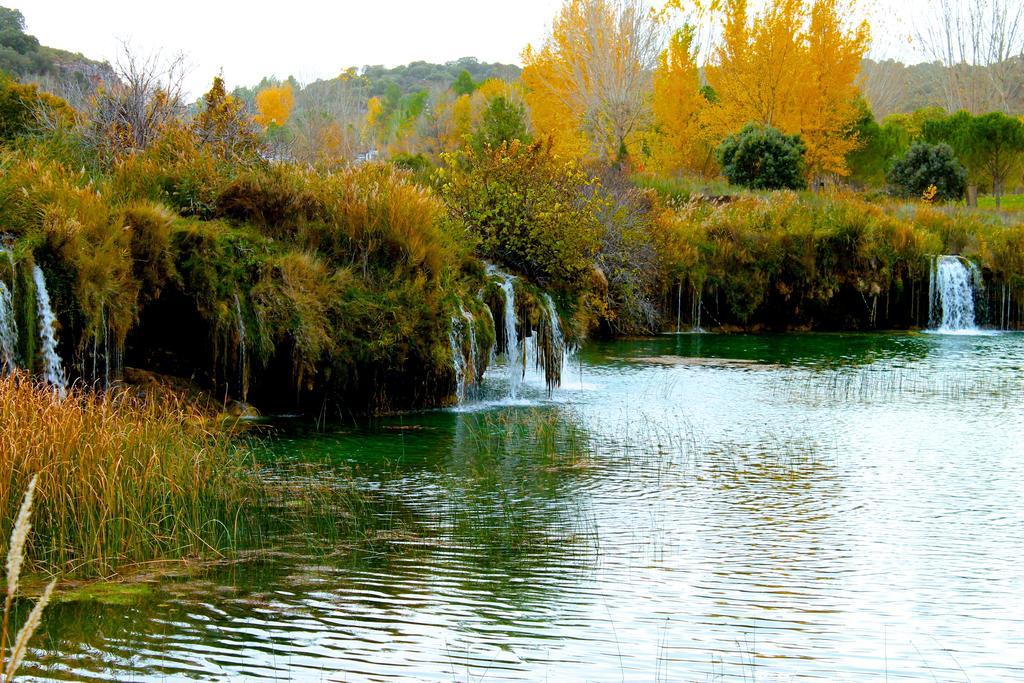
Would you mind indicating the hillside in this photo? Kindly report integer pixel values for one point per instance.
(892, 87)
(21, 55)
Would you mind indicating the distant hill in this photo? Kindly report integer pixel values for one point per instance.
(892, 87)
(432, 77)
(398, 81)
(22, 56)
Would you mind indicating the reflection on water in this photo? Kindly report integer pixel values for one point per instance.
(798, 507)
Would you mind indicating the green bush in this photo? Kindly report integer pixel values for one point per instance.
(925, 165)
(762, 158)
(533, 213)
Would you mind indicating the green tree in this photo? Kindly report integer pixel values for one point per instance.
(504, 120)
(464, 83)
(763, 158)
(991, 146)
(925, 165)
(880, 145)
(995, 148)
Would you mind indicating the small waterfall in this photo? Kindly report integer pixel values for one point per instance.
(493, 351)
(555, 356)
(474, 371)
(8, 330)
(47, 334)
(458, 359)
(243, 368)
(514, 351)
(697, 305)
(951, 292)
(464, 367)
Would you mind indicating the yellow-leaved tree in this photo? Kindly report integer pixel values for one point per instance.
(274, 105)
(679, 141)
(793, 66)
(588, 85)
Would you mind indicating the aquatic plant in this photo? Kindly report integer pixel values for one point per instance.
(123, 479)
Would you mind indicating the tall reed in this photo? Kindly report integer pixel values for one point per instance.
(15, 560)
(122, 479)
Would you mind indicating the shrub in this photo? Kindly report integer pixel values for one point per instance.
(24, 109)
(762, 158)
(533, 213)
(925, 165)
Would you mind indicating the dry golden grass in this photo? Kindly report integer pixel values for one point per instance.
(121, 480)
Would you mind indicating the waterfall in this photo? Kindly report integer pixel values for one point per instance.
(48, 334)
(463, 367)
(243, 368)
(474, 371)
(556, 327)
(458, 359)
(514, 352)
(8, 330)
(698, 303)
(951, 291)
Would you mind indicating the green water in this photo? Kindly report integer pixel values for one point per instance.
(692, 508)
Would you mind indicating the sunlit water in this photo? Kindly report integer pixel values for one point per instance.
(800, 507)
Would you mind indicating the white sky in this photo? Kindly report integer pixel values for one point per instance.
(310, 40)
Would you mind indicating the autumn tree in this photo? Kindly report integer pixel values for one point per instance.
(588, 84)
(274, 105)
(793, 66)
(679, 141)
(223, 124)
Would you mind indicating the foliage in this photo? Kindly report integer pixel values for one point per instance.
(587, 85)
(223, 125)
(274, 105)
(991, 146)
(503, 120)
(880, 145)
(681, 143)
(792, 67)
(464, 83)
(925, 165)
(25, 110)
(532, 212)
(763, 158)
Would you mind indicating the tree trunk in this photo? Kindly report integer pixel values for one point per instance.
(972, 196)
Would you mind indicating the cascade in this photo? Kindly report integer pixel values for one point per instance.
(243, 368)
(951, 292)
(458, 359)
(514, 351)
(8, 330)
(492, 352)
(471, 332)
(559, 351)
(463, 367)
(47, 334)
(698, 304)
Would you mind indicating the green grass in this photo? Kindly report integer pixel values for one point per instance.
(1010, 202)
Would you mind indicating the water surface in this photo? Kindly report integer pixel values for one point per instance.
(794, 507)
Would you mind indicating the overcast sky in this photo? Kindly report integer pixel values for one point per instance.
(316, 39)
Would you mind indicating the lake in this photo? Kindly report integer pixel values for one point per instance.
(685, 508)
